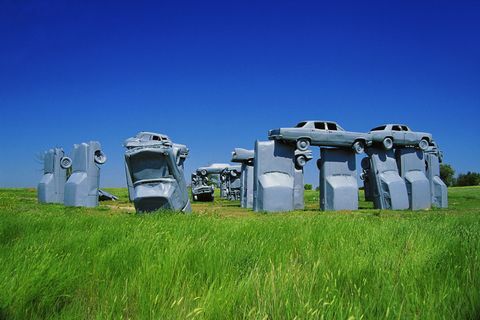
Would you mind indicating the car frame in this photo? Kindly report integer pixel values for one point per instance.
(321, 133)
(394, 134)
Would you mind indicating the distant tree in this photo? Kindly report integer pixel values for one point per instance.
(214, 180)
(317, 188)
(447, 174)
(468, 179)
(308, 186)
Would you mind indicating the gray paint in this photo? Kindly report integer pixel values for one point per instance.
(321, 133)
(154, 166)
(52, 185)
(131, 191)
(247, 191)
(81, 189)
(301, 159)
(393, 135)
(388, 189)
(245, 157)
(274, 176)
(106, 196)
(438, 188)
(411, 165)
(231, 177)
(338, 180)
(201, 191)
(298, 190)
(367, 186)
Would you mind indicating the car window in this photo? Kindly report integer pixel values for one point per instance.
(300, 125)
(320, 125)
(396, 128)
(381, 128)
(332, 126)
(405, 128)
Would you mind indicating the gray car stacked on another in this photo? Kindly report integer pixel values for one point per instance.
(390, 135)
(321, 133)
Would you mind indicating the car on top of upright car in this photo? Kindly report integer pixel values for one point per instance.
(321, 133)
(390, 135)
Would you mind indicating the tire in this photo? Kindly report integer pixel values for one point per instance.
(301, 161)
(233, 173)
(203, 172)
(363, 175)
(423, 144)
(303, 144)
(365, 163)
(387, 143)
(65, 162)
(359, 147)
(100, 157)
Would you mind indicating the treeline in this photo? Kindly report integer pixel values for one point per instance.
(447, 174)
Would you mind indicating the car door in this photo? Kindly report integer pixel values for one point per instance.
(320, 134)
(398, 134)
(410, 136)
(335, 136)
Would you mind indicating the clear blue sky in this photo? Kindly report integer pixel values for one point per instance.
(218, 75)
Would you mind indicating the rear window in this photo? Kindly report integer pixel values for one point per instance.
(320, 125)
(300, 125)
(332, 126)
(381, 128)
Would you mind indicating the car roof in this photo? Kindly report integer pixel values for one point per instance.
(307, 121)
(394, 124)
(144, 133)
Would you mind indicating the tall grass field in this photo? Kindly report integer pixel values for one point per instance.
(224, 262)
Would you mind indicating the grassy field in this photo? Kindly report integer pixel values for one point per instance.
(223, 262)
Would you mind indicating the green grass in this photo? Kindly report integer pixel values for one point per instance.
(223, 262)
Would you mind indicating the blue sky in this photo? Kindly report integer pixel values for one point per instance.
(219, 75)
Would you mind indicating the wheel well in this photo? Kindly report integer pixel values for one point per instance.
(360, 140)
(305, 138)
(426, 138)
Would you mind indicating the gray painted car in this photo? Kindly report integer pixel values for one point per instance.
(155, 177)
(390, 135)
(321, 133)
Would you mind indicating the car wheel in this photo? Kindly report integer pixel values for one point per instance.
(387, 143)
(359, 147)
(65, 162)
(303, 144)
(423, 144)
(301, 161)
(100, 157)
(365, 163)
(203, 172)
(363, 175)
